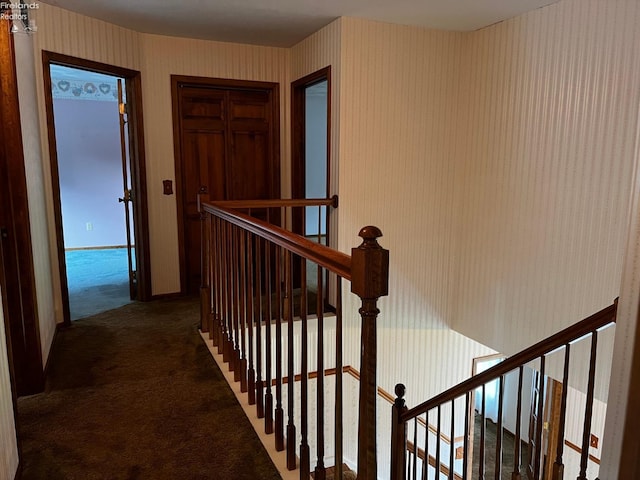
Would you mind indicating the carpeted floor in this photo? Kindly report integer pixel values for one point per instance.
(508, 442)
(134, 394)
(98, 280)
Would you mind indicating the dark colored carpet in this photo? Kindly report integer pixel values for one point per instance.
(134, 394)
(508, 443)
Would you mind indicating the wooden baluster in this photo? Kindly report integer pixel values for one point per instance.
(538, 456)
(498, 465)
(399, 436)
(224, 313)
(588, 410)
(214, 266)
(291, 373)
(223, 289)
(230, 302)
(452, 444)
(425, 465)
(259, 318)
(465, 446)
(518, 440)
(268, 397)
(339, 412)
(212, 280)
(252, 320)
(370, 281)
(319, 237)
(205, 249)
(305, 461)
(279, 412)
(438, 442)
(218, 285)
(558, 465)
(482, 436)
(320, 472)
(242, 295)
(235, 299)
(415, 449)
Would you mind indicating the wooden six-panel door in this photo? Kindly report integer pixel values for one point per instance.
(227, 148)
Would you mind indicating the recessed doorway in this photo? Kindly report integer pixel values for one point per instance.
(97, 176)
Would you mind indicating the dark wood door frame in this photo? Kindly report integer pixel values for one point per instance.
(17, 276)
(177, 82)
(298, 89)
(133, 87)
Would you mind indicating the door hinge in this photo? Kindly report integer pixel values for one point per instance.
(128, 196)
(4, 233)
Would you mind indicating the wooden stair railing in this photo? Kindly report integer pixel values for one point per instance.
(255, 292)
(405, 464)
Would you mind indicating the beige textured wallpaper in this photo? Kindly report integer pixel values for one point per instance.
(8, 443)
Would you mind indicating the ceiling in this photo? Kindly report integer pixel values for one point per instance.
(284, 23)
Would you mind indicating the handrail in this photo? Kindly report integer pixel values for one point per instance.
(594, 322)
(280, 202)
(254, 285)
(324, 256)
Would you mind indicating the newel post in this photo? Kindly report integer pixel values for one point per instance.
(398, 435)
(370, 281)
(205, 293)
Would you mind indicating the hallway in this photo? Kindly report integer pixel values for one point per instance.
(133, 393)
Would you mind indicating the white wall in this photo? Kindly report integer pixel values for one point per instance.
(8, 441)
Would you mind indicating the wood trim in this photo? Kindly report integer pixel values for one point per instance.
(84, 64)
(59, 326)
(297, 129)
(139, 184)
(298, 137)
(178, 81)
(18, 275)
(105, 247)
(138, 170)
(576, 448)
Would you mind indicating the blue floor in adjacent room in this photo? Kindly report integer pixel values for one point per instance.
(98, 280)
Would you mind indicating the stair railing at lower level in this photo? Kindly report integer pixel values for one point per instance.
(266, 296)
(417, 455)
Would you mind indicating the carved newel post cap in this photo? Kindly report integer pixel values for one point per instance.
(369, 234)
(400, 391)
(370, 266)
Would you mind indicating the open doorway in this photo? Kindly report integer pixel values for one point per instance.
(98, 182)
(310, 172)
(311, 146)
